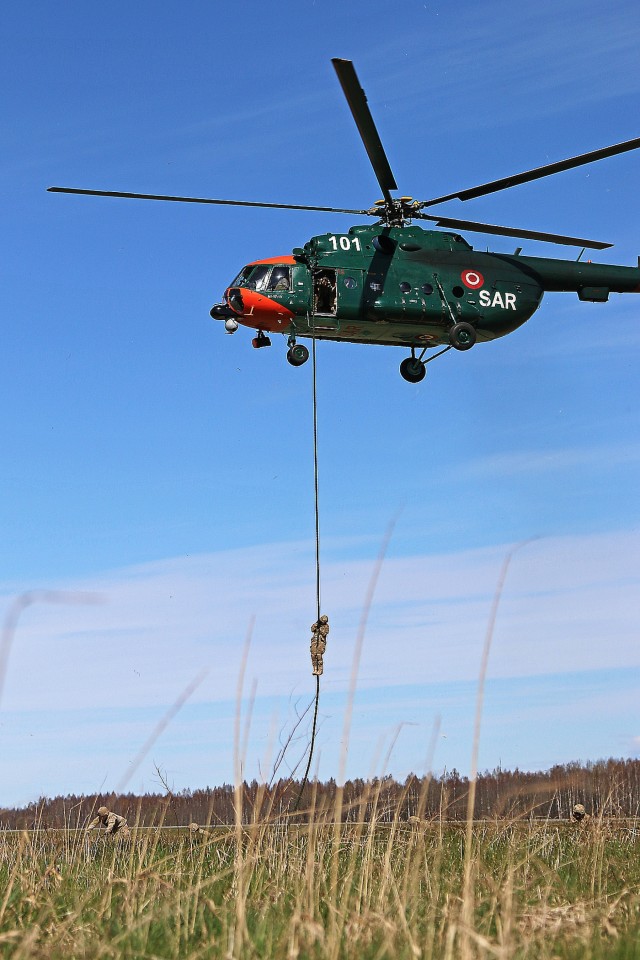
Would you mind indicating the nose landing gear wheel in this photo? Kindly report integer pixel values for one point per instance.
(462, 336)
(413, 370)
(297, 354)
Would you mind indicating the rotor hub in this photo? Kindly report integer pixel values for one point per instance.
(395, 212)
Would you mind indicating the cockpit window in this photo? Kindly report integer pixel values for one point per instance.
(279, 279)
(242, 276)
(257, 279)
(263, 276)
(253, 277)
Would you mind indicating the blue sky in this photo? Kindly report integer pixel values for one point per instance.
(152, 460)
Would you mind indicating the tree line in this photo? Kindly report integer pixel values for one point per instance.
(609, 788)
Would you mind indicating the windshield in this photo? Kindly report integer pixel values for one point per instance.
(263, 276)
(240, 280)
(253, 277)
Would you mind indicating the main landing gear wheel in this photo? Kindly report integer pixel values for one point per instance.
(462, 336)
(413, 370)
(297, 354)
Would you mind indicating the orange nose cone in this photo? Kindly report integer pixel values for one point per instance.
(262, 313)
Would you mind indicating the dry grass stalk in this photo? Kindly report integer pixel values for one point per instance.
(173, 894)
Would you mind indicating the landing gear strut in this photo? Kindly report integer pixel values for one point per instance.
(414, 368)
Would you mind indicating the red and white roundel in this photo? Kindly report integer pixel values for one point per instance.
(472, 279)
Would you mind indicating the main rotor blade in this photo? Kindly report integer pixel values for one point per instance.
(357, 101)
(505, 182)
(235, 203)
(513, 232)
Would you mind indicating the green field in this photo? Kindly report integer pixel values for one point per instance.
(527, 888)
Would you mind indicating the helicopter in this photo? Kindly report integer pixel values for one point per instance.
(395, 283)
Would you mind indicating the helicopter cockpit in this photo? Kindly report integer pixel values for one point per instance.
(264, 278)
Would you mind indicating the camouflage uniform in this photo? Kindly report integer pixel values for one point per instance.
(114, 823)
(319, 633)
(579, 813)
(197, 831)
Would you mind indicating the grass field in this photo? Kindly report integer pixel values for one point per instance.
(543, 889)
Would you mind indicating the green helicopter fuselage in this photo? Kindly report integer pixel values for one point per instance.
(406, 286)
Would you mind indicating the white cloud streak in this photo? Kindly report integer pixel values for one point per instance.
(531, 462)
(568, 602)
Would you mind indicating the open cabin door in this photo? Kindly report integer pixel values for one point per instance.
(325, 293)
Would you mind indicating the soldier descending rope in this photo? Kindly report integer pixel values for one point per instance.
(319, 633)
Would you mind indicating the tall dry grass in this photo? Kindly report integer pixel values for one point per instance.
(324, 887)
(264, 889)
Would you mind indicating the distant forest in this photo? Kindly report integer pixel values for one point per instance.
(609, 788)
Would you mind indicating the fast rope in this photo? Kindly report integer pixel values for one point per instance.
(317, 627)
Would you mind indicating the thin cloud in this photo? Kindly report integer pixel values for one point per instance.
(567, 600)
(528, 462)
(548, 72)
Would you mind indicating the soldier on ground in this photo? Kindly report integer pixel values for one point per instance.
(113, 822)
(198, 831)
(319, 633)
(578, 813)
